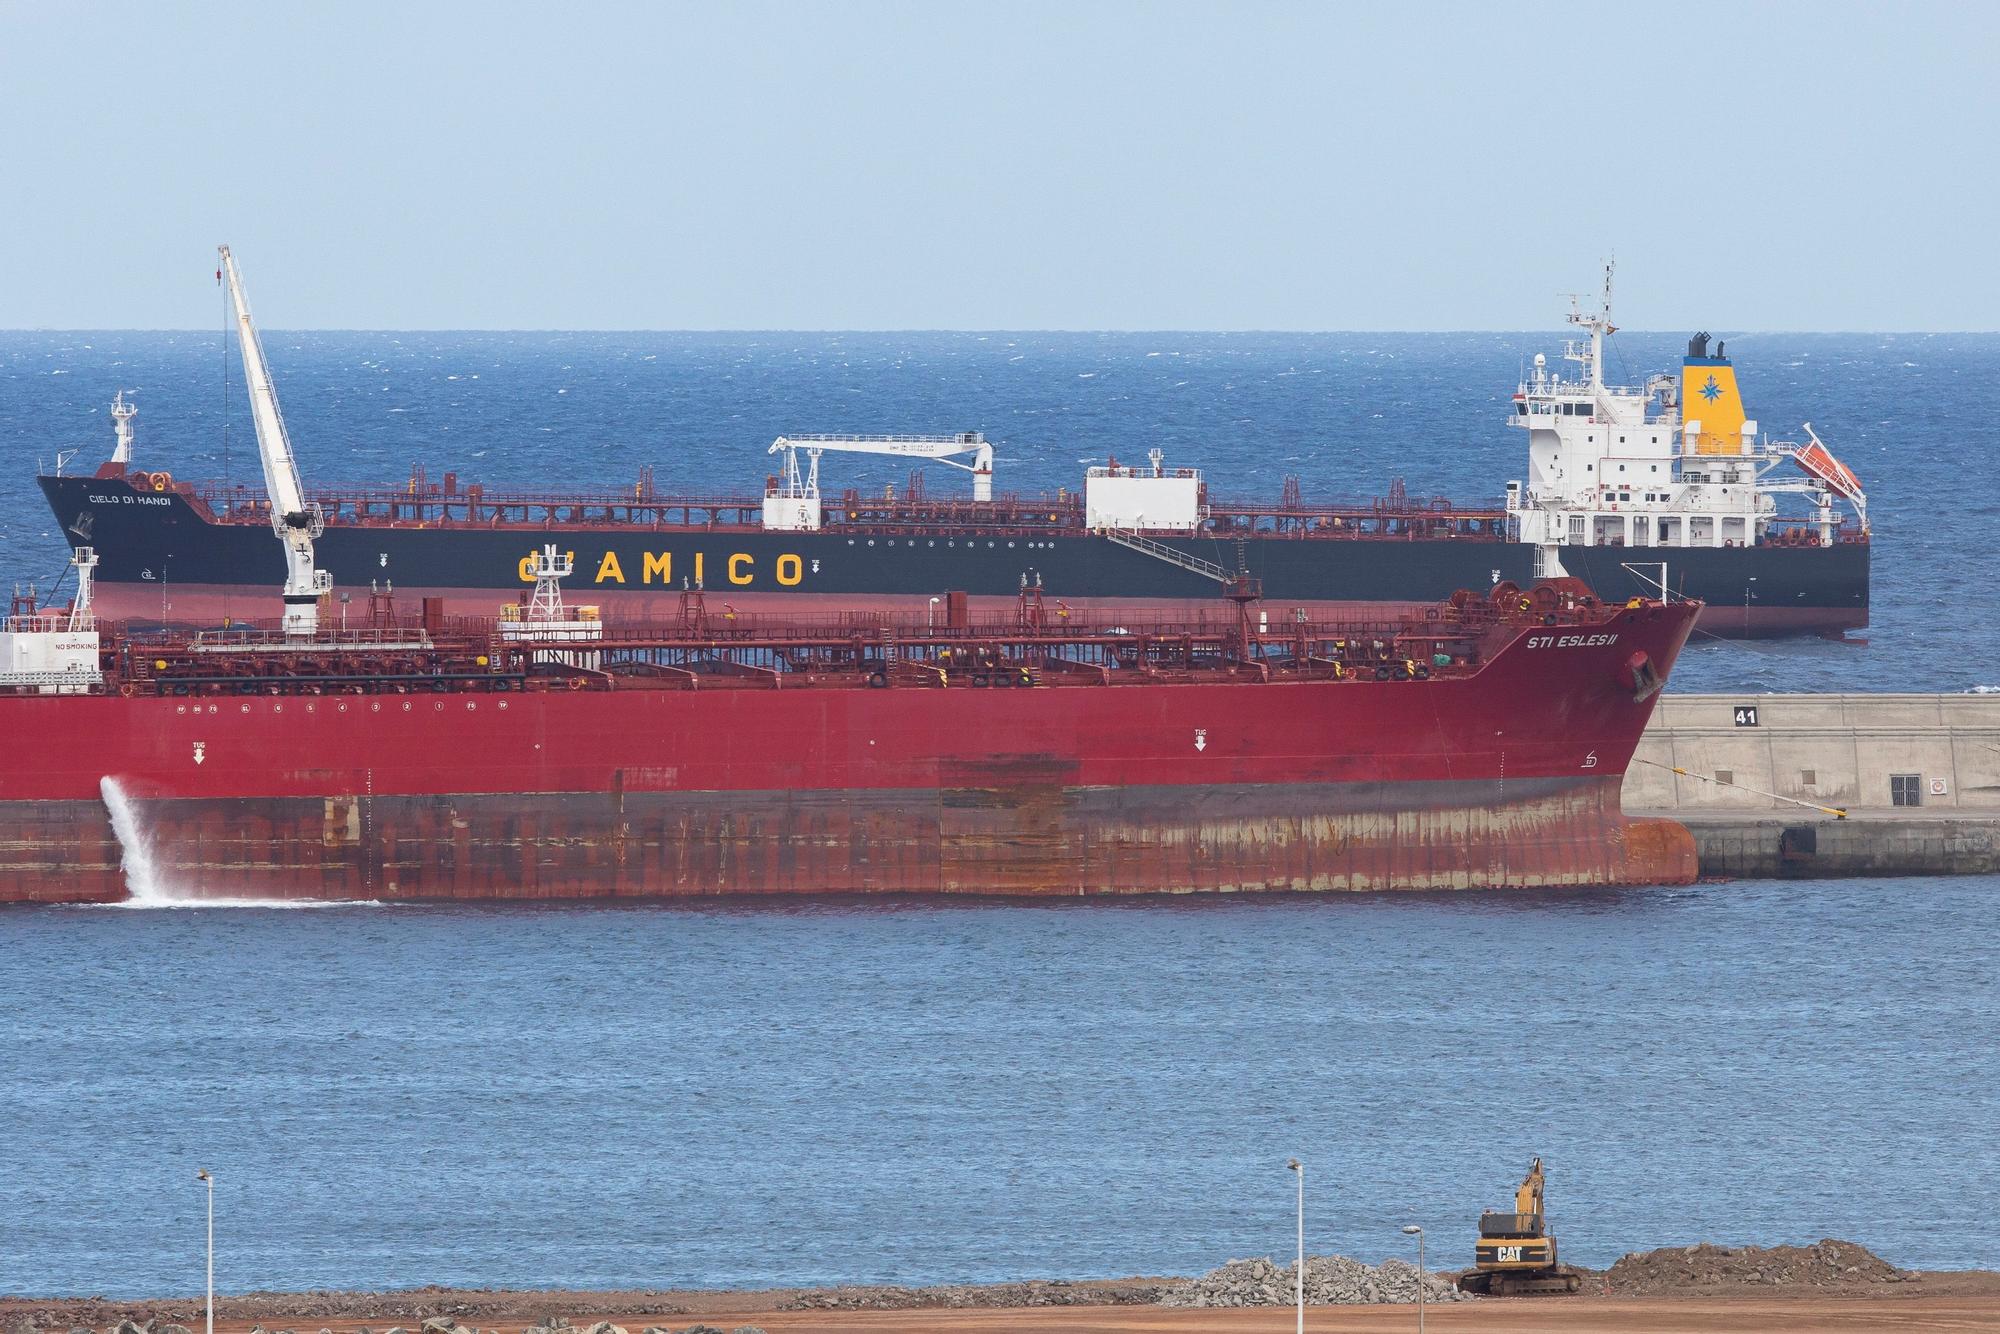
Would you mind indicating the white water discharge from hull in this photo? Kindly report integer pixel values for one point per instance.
(146, 878)
(142, 872)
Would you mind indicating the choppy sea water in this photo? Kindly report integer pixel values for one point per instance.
(1914, 414)
(746, 1094)
(754, 1095)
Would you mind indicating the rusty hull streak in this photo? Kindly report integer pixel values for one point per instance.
(1037, 838)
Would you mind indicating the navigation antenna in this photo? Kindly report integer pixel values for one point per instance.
(1599, 325)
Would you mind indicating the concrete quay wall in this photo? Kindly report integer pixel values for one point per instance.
(1918, 775)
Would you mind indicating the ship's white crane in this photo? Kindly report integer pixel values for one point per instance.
(793, 501)
(296, 520)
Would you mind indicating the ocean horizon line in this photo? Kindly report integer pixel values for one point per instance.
(1678, 332)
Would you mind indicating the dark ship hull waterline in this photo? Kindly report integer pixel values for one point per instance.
(188, 555)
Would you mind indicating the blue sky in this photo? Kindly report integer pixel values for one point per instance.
(996, 165)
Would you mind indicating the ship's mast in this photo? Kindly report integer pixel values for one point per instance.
(1600, 326)
(122, 414)
(81, 617)
(296, 520)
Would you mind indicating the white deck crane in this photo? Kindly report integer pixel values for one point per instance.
(296, 520)
(792, 502)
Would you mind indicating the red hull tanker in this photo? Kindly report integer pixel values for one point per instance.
(1481, 744)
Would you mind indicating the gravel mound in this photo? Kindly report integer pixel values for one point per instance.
(1827, 1264)
(959, 1296)
(1331, 1280)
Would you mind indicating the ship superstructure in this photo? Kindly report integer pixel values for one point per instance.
(1670, 466)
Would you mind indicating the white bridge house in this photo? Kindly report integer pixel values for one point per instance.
(1631, 466)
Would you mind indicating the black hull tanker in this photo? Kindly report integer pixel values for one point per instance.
(185, 555)
(1630, 490)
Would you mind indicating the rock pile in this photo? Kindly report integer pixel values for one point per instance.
(958, 1296)
(561, 1325)
(1827, 1264)
(1331, 1280)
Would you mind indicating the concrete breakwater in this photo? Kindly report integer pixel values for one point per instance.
(1758, 780)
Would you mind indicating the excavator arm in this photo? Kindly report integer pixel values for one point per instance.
(1528, 1199)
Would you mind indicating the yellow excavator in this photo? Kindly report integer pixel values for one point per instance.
(1516, 1253)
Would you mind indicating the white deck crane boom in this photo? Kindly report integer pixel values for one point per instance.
(296, 521)
(793, 500)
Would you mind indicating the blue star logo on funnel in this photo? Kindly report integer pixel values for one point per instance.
(1711, 391)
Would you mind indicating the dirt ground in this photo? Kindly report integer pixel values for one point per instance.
(1938, 1301)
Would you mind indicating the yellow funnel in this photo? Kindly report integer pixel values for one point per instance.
(1709, 398)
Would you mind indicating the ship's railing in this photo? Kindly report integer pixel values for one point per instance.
(238, 639)
(476, 508)
(1009, 514)
(465, 654)
(36, 623)
(1793, 531)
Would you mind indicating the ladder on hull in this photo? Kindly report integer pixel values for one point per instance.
(1145, 546)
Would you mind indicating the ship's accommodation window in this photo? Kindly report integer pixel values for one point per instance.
(1621, 467)
(1906, 789)
(1726, 777)
(1521, 408)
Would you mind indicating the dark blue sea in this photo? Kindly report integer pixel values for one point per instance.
(745, 1095)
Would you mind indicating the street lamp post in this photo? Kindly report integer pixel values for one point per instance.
(930, 615)
(205, 1178)
(1299, 1275)
(1413, 1230)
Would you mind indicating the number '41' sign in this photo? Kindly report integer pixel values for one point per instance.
(1746, 715)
